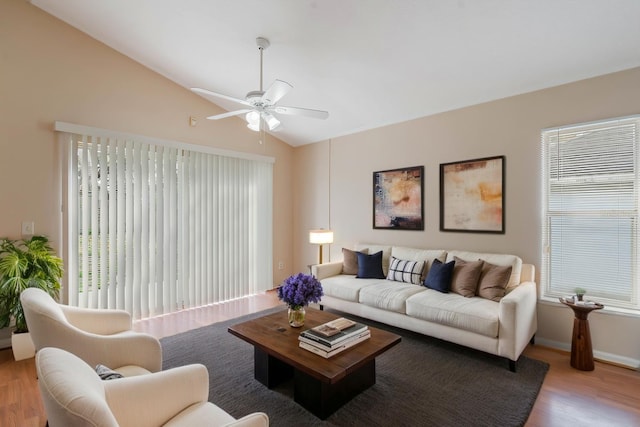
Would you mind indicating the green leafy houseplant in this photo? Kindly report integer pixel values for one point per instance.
(26, 263)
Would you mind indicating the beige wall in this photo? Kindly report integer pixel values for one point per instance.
(50, 71)
(509, 127)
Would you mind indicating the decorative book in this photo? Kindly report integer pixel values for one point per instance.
(336, 338)
(314, 347)
(363, 333)
(334, 327)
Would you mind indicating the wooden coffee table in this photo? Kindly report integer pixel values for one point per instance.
(320, 385)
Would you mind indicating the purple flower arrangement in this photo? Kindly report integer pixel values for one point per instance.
(300, 290)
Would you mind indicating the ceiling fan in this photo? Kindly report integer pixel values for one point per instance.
(261, 106)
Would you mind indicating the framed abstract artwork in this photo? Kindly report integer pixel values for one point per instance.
(472, 195)
(398, 201)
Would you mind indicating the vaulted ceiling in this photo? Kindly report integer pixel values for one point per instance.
(370, 63)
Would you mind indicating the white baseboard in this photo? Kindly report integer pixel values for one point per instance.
(598, 355)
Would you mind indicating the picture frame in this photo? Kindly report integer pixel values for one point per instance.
(472, 195)
(398, 199)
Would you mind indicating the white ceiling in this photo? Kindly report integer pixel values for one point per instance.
(370, 63)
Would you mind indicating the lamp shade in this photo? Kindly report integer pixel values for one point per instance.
(320, 237)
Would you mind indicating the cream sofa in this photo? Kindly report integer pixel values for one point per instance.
(503, 328)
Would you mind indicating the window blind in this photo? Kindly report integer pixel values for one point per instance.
(590, 232)
(154, 228)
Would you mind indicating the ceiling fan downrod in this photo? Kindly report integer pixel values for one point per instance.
(262, 45)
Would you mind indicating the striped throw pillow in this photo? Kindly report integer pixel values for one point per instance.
(405, 271)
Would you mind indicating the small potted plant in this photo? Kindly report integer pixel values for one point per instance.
(298, 291)
(580, 293)
(27, 263)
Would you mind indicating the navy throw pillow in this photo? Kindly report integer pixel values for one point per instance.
(439, 276)
(370, 266)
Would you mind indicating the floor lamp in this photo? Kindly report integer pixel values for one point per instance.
(320, 237)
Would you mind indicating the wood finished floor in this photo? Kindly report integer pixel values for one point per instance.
(607, 396)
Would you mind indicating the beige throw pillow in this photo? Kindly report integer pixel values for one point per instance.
(350, 261)
(465, 277)
(493, 281)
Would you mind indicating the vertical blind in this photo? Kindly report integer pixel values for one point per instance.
(590, 233)
(154, 228)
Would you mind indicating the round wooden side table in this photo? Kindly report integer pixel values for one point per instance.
(581, 349)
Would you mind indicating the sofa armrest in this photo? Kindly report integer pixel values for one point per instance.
(98, 321)
(528, 273)
(257, 419)
(322, 271)
(518, 320)
(158, 397)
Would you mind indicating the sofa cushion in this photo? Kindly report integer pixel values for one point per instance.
(498, 259)
(370, 266)
(475, 314)
(350, 260)
(386, 253)
(465, 277)
(389, 295)
(345, 287)
(439, 276)
(493, 281)
(402, 270)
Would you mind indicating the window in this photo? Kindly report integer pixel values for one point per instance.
(590, 207)
(154, 227)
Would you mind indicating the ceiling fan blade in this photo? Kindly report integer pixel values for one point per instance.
(229, 114)
(219, 95)
(297, 111)
(276, 91)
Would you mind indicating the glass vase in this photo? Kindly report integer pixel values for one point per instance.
(296, 317)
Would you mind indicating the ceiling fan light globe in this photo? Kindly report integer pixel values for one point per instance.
(272, 122)
(253, 117)
(253, 120)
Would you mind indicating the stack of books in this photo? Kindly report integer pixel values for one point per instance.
(333, 337)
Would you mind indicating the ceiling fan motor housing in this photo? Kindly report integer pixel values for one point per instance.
(262, 43)
(255, 98)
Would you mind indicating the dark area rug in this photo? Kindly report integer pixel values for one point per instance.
(422, 381)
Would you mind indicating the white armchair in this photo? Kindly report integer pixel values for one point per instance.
(74, 395)
(97, 336)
